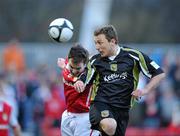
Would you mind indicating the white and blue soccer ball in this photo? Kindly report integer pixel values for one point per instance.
(60, 30)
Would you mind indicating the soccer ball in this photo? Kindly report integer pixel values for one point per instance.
(60, 30)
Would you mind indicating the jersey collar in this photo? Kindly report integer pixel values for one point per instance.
(118, 51)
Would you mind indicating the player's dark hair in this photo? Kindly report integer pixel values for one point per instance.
(109, 31)
(78, 53)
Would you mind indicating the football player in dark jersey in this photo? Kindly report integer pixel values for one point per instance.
(115, 74)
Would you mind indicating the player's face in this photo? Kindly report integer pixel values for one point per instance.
(104, 46)
(74, 68)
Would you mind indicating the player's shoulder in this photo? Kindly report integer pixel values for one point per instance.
(130, 51)
(95, 57)
(7, 106)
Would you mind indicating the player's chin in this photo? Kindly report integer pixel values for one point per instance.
(103, 55)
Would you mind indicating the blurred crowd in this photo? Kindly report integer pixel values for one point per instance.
(37, 97)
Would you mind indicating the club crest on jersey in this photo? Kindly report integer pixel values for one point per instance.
(113, 67)
(105, 113)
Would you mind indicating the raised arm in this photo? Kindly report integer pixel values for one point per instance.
(151, 70)
(154, 82)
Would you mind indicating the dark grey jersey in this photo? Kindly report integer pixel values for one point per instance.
(114, 80)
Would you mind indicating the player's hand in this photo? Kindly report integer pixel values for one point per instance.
(61, 63)
(79, 86)
(137, 94)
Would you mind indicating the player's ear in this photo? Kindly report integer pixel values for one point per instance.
(113, 41)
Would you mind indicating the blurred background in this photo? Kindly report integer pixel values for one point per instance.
(32, 81)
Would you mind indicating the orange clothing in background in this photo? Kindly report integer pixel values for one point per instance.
(13, 57)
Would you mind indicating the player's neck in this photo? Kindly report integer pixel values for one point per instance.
(116, 50)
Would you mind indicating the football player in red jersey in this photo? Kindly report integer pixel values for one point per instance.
(7, 116)
(75, 119)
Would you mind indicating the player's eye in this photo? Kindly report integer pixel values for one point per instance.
(75, 68)
(100, 43)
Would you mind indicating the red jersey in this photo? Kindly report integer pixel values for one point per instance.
(76, 102)
(4, 119)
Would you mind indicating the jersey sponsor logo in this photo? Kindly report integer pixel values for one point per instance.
(114, 77)
(123, 75)
(105, 113)
(113, 67)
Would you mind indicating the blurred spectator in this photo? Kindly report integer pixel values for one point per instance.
(13, 57)
(151, 111)
(174, 74)
(27, 85)
(7, 116)
(174, 126)
(167, 102)
(10, 93)
(54, 108)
